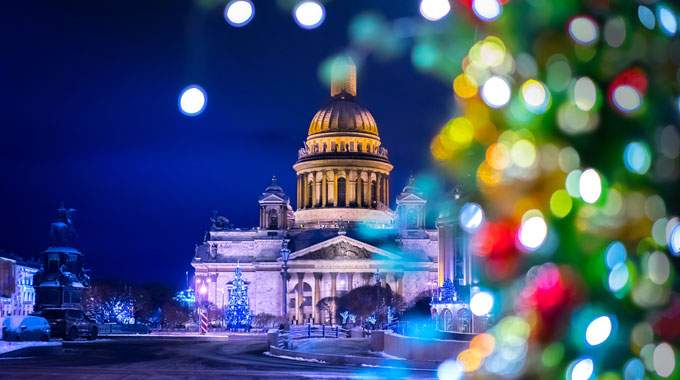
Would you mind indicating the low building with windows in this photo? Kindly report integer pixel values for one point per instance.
(17, 294)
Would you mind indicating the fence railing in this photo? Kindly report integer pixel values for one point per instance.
(286, 337)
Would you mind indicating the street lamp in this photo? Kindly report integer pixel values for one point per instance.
(285, 255)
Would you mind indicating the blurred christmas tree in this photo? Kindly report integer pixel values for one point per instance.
(238, 314)
(565, 130)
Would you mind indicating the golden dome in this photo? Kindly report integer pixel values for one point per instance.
(343, 114)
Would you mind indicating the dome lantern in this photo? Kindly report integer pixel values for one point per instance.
(343, 77)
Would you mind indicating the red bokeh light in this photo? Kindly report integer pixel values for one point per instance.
(495, 243)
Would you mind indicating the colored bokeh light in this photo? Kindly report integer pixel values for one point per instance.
(450, 370)
(585, 93)
(535, 95)
(487, 10)
(192, 100)
(634, 369)
(658, 268)
(598, 330)
(626, 98)
(646, 17)
(571, 183)
(618, 278)
(496, 92)
(583, 30)
(664, 360)
(434, 10)
(637, 157)
(667, 20)
(481, 303)
(615, 253)
(581, 369)
(561, 203)
(238, 13)
(674, 240)
(615, 31)
(309, 14)
(590, 186)
(471, 217)
(532, 232)
(465, 86)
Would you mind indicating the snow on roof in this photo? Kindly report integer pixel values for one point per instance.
(62, 249)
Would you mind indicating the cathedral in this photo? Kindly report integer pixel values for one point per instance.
(342, 233)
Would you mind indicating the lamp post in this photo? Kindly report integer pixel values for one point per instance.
(285, 255)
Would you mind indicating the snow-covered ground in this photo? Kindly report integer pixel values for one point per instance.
(6, 347)
(341, 346)
(295, 358)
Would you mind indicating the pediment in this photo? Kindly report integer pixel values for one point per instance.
(343, 248)
(272, 198)
(413, 198)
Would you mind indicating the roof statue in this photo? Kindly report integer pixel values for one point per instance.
(218, 222)
(62, 231)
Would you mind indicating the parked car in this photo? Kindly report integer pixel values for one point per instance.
(26, 327)
(70, 324)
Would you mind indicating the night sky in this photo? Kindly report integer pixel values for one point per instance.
(89, 117)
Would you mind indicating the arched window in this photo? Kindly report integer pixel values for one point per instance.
(273, 220)
(463, 321)
(411, 218)
(342, 189)
(446, 320)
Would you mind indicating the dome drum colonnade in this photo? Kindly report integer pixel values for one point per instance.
(342, 164)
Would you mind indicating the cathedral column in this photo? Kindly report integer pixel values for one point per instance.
(348, 189)
(300, 298)
(317, 189)
(324, 189)
(350, 281)
(316, 297)
(334, 279)
(359, 189)
(378, 196)
(351, 188)
(297, 194)
(335, 189)
(303, 191)
(366, 189)
(399, 276)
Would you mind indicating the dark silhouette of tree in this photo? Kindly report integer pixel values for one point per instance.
(419, 308)
(368, 300)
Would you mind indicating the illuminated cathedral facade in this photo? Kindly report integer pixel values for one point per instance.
(342, 233)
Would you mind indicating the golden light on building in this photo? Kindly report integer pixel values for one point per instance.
(343, 169)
